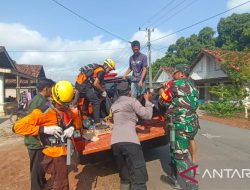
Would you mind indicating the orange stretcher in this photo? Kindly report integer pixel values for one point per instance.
(146, 130)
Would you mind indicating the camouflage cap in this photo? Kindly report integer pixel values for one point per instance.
(183, 68)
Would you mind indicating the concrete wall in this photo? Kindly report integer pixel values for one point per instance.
(2, 92)
(163, 77)
(207, 68)
(10, 92)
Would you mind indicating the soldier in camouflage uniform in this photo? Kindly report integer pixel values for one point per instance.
(180, 97)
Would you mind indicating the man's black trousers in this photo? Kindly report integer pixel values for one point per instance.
(36, 171)
(131, 165)
(91, 95)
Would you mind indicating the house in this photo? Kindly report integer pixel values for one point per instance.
(163, 75)
(15, 78)
(206, 70)
(35, 71)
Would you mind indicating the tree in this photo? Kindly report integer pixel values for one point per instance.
(206, 37)
(234, 32)
(185, 50)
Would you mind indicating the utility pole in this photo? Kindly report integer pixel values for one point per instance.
(149, 30)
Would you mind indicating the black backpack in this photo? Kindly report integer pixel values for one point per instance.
(88, 70)
(85, 76)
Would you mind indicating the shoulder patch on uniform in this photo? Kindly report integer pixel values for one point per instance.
(44, 108)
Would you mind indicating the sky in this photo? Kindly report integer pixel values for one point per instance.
(66, 41)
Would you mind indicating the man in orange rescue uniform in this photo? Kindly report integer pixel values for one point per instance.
(54, 123)
(90, 84)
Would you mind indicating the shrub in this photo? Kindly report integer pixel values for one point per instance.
(221, 109)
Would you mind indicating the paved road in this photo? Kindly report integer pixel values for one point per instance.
(220, 147)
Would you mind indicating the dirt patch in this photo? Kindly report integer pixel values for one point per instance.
(235, 122)
(14, 167)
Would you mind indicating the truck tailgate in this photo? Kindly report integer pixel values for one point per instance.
(146, 130)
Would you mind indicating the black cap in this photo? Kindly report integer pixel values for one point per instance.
(123, 88)
(135, 43)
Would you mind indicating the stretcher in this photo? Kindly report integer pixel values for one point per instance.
(146, 130)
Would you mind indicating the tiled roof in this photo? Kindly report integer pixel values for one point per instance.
(33, 70)
(230, 57)
(12, 82)
(168, 70)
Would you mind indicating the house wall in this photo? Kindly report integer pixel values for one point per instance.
(207, 68)
(1, 94)
(163, 77)
(10, 92)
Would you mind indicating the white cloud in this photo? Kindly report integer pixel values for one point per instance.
(142, 37)
(65, 65)
(164, 42)
(243, 9)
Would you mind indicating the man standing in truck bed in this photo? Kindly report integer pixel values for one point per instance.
(138, 65)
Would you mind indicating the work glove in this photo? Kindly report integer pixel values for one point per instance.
(53, 130)
(104, 94)
(67, 133)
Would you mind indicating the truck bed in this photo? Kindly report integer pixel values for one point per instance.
(146, 130)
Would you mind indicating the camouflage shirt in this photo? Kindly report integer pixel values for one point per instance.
(183, 104)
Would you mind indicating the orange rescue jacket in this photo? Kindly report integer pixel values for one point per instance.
(29, 126)
(81, 78)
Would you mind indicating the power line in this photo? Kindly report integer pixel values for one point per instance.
(62, 51)
(159, 49)
(121, 56)
(157, 13)
(197, 23)
(126, 53)
(63, 69)
(167, 13)
(90, 22)
(176, 13)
